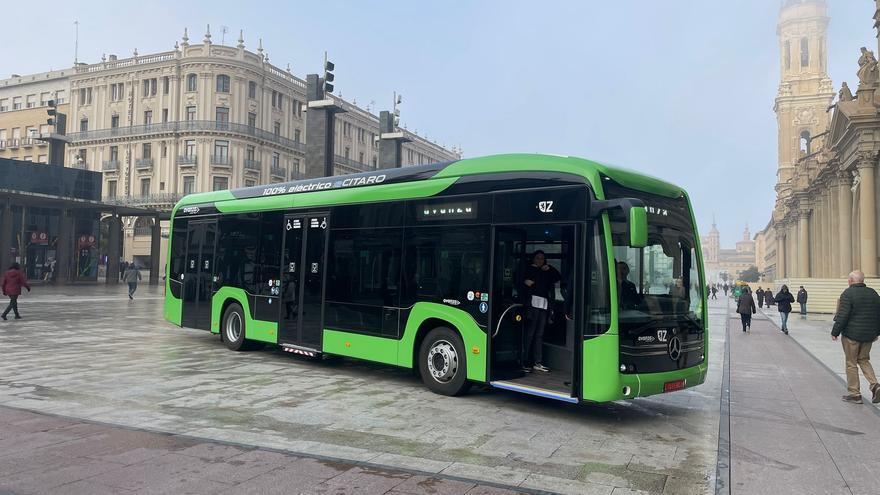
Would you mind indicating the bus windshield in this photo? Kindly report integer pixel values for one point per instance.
(659, 286)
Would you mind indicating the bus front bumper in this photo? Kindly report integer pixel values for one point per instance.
(643, 385)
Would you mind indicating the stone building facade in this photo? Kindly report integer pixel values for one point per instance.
(723, 263)
(23, 102)
(200, 117)
(826, 211)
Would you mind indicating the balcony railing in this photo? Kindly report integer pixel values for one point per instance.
(353, 164)
(222, 160)
(79, 165)
(251, 164)
(187, 160)
(278, 171)
(28, 142)
(143, 231)
(110, 165)
(187, 126)
(163, 199)
(144, 163)
(12, 143)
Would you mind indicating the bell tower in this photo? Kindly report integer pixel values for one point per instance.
(805, 90)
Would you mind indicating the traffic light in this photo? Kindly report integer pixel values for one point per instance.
(52, 111)
(328, 76)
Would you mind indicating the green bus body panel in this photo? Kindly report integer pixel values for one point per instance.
(173, 306)
(600, 362)
(355, 345)
(401, 352)
(264, 331)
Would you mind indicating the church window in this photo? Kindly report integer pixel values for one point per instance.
(805, 52)
(805, 143)
(788, 55)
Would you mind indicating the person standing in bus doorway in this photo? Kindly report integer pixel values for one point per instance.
(12, 283)
(783, 304)
(856, 320)
(132, 275)
(745, 306)
(760, 295)
(539, 281)
(802, 300)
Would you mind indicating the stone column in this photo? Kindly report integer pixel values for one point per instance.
(5, 235)
(155, 242)
(780, 251)
(63, 249)
(867, 218)
(844, 220)
(833, 257)
(804, 243)
(114, 237)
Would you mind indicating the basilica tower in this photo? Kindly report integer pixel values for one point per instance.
(805, 90)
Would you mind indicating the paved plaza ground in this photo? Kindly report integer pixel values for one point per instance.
(156, 399)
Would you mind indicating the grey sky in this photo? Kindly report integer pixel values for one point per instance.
(682, 90)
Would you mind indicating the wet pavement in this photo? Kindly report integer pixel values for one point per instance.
(88, 352)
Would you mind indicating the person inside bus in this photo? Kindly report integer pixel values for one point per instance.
(539, 283)
(627, 294)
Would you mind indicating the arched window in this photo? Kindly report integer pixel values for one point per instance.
(805, 143)
(191, 82)
(222, 83)
(805, 52)
(788, 55)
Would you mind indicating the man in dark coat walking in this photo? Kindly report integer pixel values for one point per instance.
(802, 300)
(12, 282)
(760, 295)
(857, 313)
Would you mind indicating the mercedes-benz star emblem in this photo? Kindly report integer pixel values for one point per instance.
(674, 348)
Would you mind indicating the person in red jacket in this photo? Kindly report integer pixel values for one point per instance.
(12, 283)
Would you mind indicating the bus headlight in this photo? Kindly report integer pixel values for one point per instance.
(622, 368)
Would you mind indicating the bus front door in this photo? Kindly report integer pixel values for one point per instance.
(302, 280)
(198, 275)
(545, 365)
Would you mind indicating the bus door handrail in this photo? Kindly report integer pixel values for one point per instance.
(501, 318)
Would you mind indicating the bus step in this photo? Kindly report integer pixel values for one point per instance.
(302, 351)
(540, 392)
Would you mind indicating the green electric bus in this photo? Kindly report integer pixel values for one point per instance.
(423, 267)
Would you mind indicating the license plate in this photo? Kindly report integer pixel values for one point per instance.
(672, 386)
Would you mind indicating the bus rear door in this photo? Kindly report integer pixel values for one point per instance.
(198, 280)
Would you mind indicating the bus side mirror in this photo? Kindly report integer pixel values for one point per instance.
(638, 227)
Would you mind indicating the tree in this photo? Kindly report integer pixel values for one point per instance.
(750, 274)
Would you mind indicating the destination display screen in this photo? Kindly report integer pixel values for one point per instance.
(461, 210)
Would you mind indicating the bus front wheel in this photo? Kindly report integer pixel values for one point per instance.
(442, 362)
(233, 329)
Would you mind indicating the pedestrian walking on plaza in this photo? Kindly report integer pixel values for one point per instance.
(12, 282)
(760, 295)
(783, 304)
(725, 289)
(802, 300)
(132, 275)
(768, 296)
(714, 292)
(856, 320)
(745, 306)
(123, 267)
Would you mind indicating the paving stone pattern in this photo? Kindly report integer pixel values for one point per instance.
(87, 352)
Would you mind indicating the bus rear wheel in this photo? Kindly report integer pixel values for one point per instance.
(233, 330)
(442, 362)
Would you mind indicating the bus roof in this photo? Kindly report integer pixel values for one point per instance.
(422, 181)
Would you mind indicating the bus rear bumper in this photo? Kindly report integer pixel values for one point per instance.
(643, 385)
